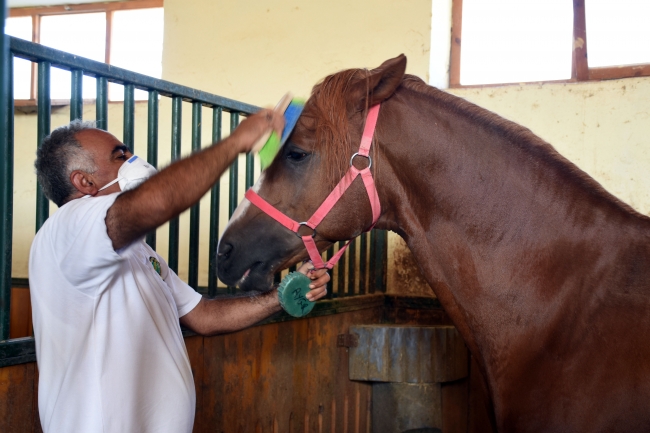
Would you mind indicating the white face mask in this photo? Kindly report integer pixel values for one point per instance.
(132, 173)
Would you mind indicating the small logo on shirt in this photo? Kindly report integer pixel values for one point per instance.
(156, 265)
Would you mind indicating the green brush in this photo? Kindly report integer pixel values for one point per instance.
(269, 145)
(291, 294)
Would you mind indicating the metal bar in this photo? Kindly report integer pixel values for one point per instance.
(330, 285)
(35, 52)
(250, 170)
(363, 258)
(101, 104)
(340, 283)
(76, 96)
(6, 182)
(129, 117)
(17, 351)
(233, 178)
(195, 215)
(214, 210)
(380, 259)
(43, 129)
(234, 171)
(372, 264)
(152, 146)
(352, 264)
(177, 106)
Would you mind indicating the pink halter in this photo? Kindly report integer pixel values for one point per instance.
(332, 198)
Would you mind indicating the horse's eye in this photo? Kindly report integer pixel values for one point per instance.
(296, 156)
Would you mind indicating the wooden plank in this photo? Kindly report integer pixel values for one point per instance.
(17, 397)
(456, 36)
(209, 417)
(20, 313)
(85, 8)
(194, 346)
(580, 65)
(37, 428)
(299, 360)
(614, 72)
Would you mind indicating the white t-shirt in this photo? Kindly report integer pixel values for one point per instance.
(110, 351)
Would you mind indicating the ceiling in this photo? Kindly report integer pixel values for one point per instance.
(26, 3)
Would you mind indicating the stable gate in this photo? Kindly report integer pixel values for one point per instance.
(362, 272)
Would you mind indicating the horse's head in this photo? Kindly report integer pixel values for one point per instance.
(318, 153)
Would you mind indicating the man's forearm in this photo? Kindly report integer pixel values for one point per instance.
(183, 183)
(222, 315)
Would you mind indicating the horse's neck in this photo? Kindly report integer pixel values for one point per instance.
(501, 230)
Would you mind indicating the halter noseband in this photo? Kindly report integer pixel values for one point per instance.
(332, 198)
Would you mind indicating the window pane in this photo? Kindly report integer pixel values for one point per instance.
(618, 32)
(80, 34)
(509, 41)
(21, 27)
(136, 45)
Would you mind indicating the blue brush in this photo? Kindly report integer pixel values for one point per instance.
(292, 108)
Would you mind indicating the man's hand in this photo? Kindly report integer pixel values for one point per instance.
(251, 129)
(319, 277)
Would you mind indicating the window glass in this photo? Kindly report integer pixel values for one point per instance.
(136, 45)
(21, 27)
(80, 34)
(509, 41)
(618, 32)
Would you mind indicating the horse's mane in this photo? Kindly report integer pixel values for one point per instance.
(332, 127)
(328, 98)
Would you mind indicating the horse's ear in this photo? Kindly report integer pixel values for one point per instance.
(379, 84)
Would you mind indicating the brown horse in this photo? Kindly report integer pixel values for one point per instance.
(545, 274)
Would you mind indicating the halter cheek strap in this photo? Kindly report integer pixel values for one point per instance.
(332, 198)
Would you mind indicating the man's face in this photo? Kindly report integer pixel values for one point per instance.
(108, 153)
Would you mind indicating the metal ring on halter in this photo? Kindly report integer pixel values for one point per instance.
(304, 223)
(365, 156)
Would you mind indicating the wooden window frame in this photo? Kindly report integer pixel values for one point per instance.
(108, 8)
(580, 70)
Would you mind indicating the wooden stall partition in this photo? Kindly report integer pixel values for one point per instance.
(17, 398)
(283, 377)
(21, 313)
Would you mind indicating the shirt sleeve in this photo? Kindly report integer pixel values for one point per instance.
(185, 297)
(80, 242)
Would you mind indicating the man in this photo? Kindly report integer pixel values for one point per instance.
(106, 307)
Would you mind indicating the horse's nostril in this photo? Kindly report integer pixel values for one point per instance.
(224, 250)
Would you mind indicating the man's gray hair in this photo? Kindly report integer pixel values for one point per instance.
(59, 155)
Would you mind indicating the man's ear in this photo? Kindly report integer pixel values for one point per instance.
(378, 85)
(83, 182)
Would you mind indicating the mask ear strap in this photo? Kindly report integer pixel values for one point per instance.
(110, 183)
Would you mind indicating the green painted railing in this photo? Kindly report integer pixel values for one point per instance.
(6, 177)
(361, 270)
